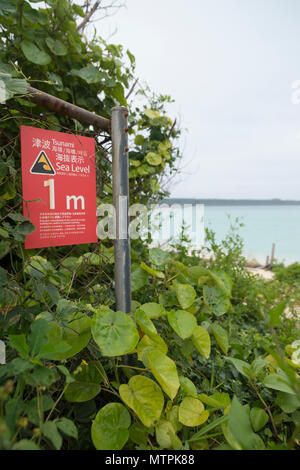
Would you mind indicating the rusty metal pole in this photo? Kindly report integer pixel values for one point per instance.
(119, 135)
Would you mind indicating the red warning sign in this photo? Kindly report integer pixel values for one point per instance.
(59, 187)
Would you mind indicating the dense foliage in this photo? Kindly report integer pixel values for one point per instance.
(208, 358)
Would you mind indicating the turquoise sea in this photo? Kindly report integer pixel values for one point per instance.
(263, 225)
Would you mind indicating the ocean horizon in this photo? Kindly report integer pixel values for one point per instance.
(264, 222)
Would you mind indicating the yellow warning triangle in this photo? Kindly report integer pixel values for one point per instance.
(42, 165)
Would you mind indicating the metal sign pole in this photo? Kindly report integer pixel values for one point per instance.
(119, 135)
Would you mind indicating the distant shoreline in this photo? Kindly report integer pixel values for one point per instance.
(231, 202)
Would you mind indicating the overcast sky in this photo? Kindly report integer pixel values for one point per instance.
(230, 65)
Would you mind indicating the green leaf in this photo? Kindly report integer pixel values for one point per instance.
(139, 139)
(182, 322)
(110, 427)
(217, 400)
(240, 427)
(20, 344)
(258, 418)
(90, 74)
(67, 427)
(164, 370)
(159, 257)
(191, 412)
(34, 54)
(38, 336)
(114, 332)
(209, 427)
(153, 159)
(186, 295)
(25, 444)
(50, 431)
(278, 382)
(275, 314)
(144, 322)
(151, 271)
(166, 436)
(201, 341)
(287, 402)
(222, 280)
(243, 367)
(153, 310)
(216, 300)
(144, 397)
(75, 333)
(117, 92)
(56, 46)
(86, 384)
(139, 277)
(188, 387)
(151, 113)
(221, 337)
(154, 341)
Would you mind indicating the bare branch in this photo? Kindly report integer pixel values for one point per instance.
(89, 15)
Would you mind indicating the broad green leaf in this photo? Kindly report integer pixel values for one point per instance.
(144, 322)
(50, 431)
(25, 444)
(34, 54)
(144, 397)
(166, 436)
(222, 280)
(173, 416)
(194, 272)
(182, 322)
(139, 139)
(19, 343)
(139, 277)
(258, 418)
(164, 370)
(191, 412)
(278, 382)
(56, 46)
(186, 295)
(154, 341)
(287, 402)
(153, 272)
(110, 427)
(67, 427)
(38, 336)
(159, 257)
(86, 384)
(217, 400)
(243, 367)
(153, 159)
(216, 300)
(275, 314)
(151, 113)
(188, 387)
(153, 310)
(138, 433)
(89, 73)
(74, 331)
(117, 92)
(221, 337)
(114, 332)
(240, 427)
(201, 341)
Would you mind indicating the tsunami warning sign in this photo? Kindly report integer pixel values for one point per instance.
(59, 187)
